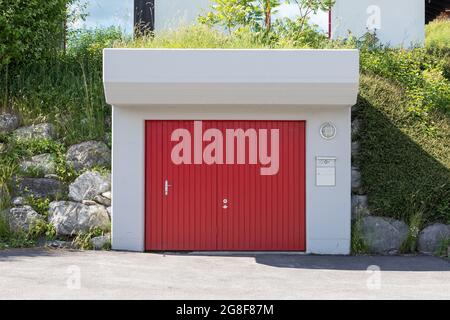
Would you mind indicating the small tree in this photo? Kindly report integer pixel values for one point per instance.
(257, 14)
(230, 14)
(308, 7)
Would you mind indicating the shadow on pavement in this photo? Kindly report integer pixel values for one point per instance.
(385, 263)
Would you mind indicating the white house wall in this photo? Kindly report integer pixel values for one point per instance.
(397, 22)
(171, 14)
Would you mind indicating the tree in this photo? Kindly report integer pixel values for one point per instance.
(31, 29)
(257, 14)
(230, 14)
(308, 7)
(233, 14)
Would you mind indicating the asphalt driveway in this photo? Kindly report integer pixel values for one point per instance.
(63, 274)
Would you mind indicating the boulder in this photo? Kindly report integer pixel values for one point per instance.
(71, 218)
(432, 237)
(18, 201)
(39, 188)
(58, 244)
(360, 206)
(43, 164)
(107, 195)
(8, 123)
(100, 242)
(356, 126)
(88, 154)
(89, 202)
(89, 185)
(35, 131)
(383, 235)
(356, 181)
(109, 210)
(355, 148)
(103, 200)
(21, 218)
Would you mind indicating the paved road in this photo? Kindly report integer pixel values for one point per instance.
(61, 274)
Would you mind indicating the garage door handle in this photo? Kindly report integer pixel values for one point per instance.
(166, 187)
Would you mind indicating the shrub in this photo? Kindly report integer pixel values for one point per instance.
(420, 72)
(30, 29)
(405, 168)
(438, 34)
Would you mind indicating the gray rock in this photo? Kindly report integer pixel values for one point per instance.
(71, 218)
(39, 188)
(43, 164)
(360, 206)
(356, 181)
(21, 218)
(8, 122)
(100, 242)
(88, 154)
(356, 126)
(89, 185)
(36, 131)
(107, 195)
(89, 202)
(383, 235)
(103, 200)
(431, 238)
(51, 176)
(109, 210)
(18, 201)
(355, 148)
(58, 244)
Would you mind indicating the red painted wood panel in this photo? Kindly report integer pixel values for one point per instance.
(263, 212)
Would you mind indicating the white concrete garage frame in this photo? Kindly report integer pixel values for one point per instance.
(317, 86)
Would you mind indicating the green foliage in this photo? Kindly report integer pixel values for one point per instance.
(7, 170)
(91, 43)
(256, 16)
(20, 239)
(232, 14)
(83, 241)
(19, 150)
(30, 29)
(443, 249)
(414, 227)
(39, 228)
(39, 205)
(404, 167)
(67, 91)
(438, 34)
(421, 74)
(358, 245)
(296, 34)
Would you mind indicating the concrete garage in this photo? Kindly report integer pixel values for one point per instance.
(231, 150)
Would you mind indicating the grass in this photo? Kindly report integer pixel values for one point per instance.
(438, 34)
(67, 92)
(357, 242)
(443, 249)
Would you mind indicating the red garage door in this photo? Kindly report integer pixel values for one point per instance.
(225, 185)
